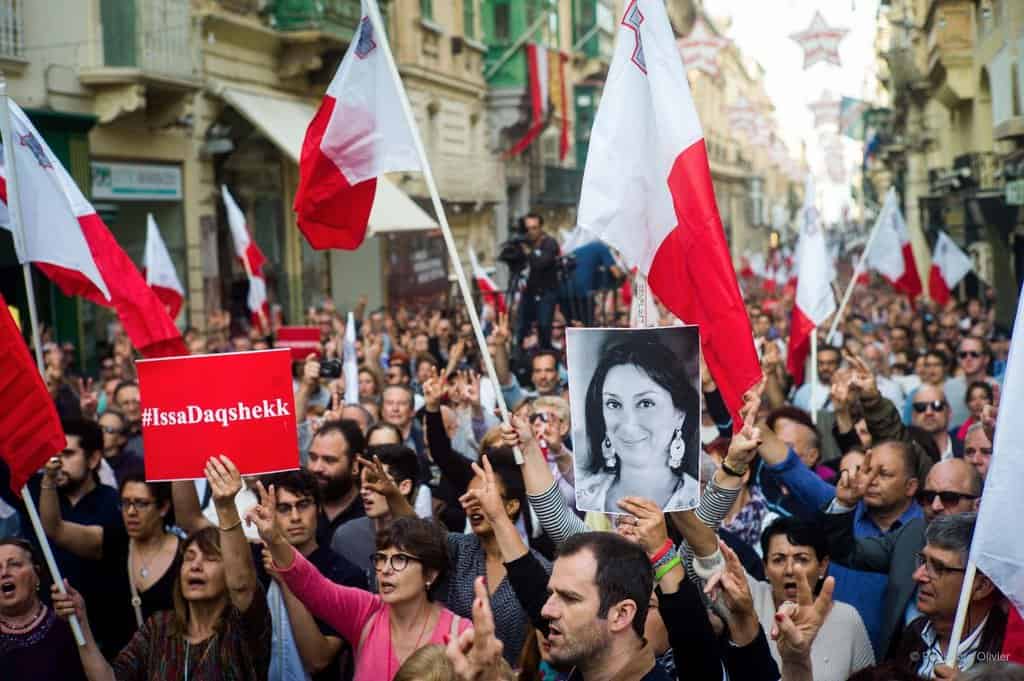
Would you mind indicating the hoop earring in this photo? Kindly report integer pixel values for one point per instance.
(608, 452)
(677, 449)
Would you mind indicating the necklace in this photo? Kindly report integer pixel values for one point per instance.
(144, 570)
(32, 621)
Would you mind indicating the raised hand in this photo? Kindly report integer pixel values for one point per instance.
(743, 447)
(68, 604)
(433, 391)
(646, 522)
(264, 515)
(311, 371)
(863, 379)
(487, 496)
(476, 653)
(378, 480)
(850, 488)
(500, 333)
(224, 479)
(841, 389)
(797, 624)
(731, 584)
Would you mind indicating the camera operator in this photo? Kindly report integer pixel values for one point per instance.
(595, 270)
(541, 293)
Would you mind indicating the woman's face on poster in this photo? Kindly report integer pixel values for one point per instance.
(640, 418)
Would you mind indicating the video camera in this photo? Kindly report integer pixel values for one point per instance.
(511, 252)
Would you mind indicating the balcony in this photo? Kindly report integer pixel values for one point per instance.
(561, 186)
(594, 29)
(336, 18)
(12, 36)
(950, 31)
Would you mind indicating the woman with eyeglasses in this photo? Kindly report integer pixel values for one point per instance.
(140, 555)
(384, 629)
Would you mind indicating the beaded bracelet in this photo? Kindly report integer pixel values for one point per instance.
(665, 559)
(667, 567)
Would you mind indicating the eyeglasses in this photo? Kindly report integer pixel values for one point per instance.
(934, 405)
(110, 430)
(935, 569)
(926, 497)
(964, 354)
(397, 561)
(140, 505)
(539, 416)
(302, 505)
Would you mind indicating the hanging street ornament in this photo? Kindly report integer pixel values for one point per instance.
(820, 42)
(701, 47)
(825, 110)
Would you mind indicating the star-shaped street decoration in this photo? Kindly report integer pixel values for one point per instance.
(700, 49)
(743, 115)
(820, 42)
(825, 110)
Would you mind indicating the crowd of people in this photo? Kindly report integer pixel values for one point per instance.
(830, 540)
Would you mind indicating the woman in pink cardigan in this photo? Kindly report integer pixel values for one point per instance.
(384, 629)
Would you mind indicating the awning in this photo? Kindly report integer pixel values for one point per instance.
(284, 122)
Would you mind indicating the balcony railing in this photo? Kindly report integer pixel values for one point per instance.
(12, 39)
(561, 186)
(154, 36)
(337, 17)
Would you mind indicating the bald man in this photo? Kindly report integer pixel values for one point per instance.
(952, 486)
(930, 411)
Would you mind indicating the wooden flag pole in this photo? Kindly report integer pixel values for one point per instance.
(380, 35)
(14, 206)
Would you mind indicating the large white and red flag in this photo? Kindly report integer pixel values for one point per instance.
(997, 554)
(949, 266)
(814, 298)
(252, 260)
(489, 291)
(358, 134)
(159, 270)
(65, 238)
(647, 192)
(891, 254)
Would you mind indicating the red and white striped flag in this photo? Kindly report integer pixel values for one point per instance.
(159, 270)
(252, 260)
(949, 266)
(65, 238)
(814, 299)
(489, 292)
(358, 134)
(891, 254)
(647, 192)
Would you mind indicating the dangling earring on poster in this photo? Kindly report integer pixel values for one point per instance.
(611, 459)
(677, 449)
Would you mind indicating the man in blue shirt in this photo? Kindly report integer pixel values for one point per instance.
(888, 503)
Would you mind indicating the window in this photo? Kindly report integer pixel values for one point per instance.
(469, 18)
(11, 29)
(502, 19)
(427, 9)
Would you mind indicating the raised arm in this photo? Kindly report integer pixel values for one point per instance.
(307, 386)
(71, 603)
(239, 572)
(85, 541)
(187, 512)
(453, 466)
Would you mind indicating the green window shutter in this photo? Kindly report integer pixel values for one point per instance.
(469, 18)
(118, 19)
(427, 9)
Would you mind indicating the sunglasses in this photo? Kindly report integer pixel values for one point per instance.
(539, 416)
(964, 354)
(927, 497)
(934, 405)
(302, 505)
(110, 430)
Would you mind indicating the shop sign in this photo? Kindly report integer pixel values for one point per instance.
(1015, 193)
(135, 181)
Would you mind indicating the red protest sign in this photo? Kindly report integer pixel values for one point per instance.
(237, 404)
(301, 340)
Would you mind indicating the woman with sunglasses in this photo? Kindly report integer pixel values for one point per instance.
(384, 629)
(139, 554)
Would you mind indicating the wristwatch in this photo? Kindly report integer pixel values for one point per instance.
(736, 472)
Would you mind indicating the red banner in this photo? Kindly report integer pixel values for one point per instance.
(237, 404)
(301, 340)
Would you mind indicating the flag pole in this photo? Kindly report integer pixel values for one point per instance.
(961, 614)
(862, 265)
(814, 374)
(449, 241)
(14, 209)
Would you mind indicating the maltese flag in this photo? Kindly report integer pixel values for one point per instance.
(949, 266)
(647, 192)
(252, 260)
(489, 292)
(358, 134)
(891, 254)
(814, 299)
(159, 270)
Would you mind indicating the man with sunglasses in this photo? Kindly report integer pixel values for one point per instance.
(931, 412)
(951, 487)
(973, 357)
(300, 641)
(939, 575)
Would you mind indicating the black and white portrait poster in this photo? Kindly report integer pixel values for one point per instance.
(635, 399)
